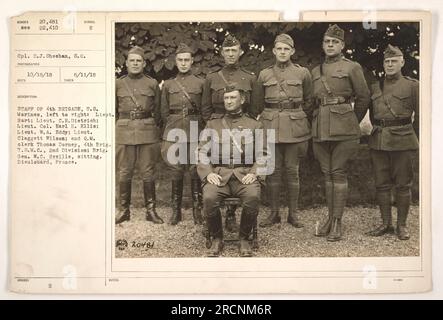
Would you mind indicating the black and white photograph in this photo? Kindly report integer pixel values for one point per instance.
(221, 152)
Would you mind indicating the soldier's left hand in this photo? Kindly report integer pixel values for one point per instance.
(249, 178)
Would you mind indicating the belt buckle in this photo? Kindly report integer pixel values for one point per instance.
(333, 101)
(132, 114)
(324, 101)
(382, 122)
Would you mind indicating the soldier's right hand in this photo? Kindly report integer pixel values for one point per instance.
(214, 179)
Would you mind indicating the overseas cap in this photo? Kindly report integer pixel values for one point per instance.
(183, 48)
(230, 41)
(335, 32)
(284, 38)
(392, 51)
(233, 86)
(137, 50)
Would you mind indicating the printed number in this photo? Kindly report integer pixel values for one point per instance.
(218, 309)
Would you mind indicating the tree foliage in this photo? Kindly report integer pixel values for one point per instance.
(160, 41)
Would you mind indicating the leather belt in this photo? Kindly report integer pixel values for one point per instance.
(135, 115)
(187, 112)
(283, 105)
(324, 101)
(392, 122)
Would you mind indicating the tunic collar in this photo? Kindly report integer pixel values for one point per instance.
(334, 59)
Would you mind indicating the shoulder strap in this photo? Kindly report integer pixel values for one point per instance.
(220, 73)
(279, 84)
(225, 124)
(325, 83)
(132, 96)
(185, 93)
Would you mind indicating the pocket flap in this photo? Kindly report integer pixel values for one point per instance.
(401, 131)
(216, 116)
(296, 82)
(341, 108)
(400, 94)
(267, 115)
(271, 82)
(194, 90)
(173, 90)
(376, 95)
(297, 116)
(339, 75)
(147, 92)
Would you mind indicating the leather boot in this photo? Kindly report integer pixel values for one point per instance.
(149, 193)
(274, 194)
(403, 202)
(326, 227)
(230, 222)
(384, 202)
(293, 192)
(215, 228)
(123, 212)
(339, 201)
(196, 201)
(176, 202)
(247, 219)
(335, 233)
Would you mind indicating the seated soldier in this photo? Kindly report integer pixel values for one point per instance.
(231, 165)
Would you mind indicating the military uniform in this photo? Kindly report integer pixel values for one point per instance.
(216, 82)
(181, 105)
(137, 138)
(286, 91)
(213, 104)
(232, 167)
(335, 127)
(393, 143)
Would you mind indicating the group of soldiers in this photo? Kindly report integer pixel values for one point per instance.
(325, 105)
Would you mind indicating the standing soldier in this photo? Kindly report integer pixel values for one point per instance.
(393, 141)
(213, 107)
(180, 107)
(335, 125)
(286, 90)
(137, 134)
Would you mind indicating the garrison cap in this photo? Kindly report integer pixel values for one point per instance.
(183, 48)
(392, 51)
(230, 41)
(233, 86)
(284, 38)
(335, 32)
(137, 50)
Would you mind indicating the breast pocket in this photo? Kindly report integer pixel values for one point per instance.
(147, 98)
(217, 90)
(125, 102)
(340, 81)
(295, 88)
(401, 103)
(271, 89)
(298, 124)
(342, 121)
(378, 103)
